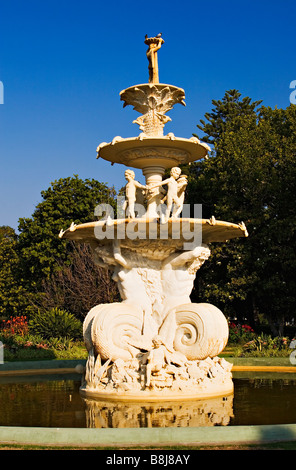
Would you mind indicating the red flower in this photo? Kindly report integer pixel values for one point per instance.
(15, 325)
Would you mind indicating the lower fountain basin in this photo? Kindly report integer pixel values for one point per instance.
(220, 390)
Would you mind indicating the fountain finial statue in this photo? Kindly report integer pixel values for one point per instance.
(154, 44)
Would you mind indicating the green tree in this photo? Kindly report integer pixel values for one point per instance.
(225, 112)
(40, 249)
(11, 292)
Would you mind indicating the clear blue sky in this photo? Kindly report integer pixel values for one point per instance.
(64, 63)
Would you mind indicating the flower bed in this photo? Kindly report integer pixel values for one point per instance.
(21, 343)
(244, 342)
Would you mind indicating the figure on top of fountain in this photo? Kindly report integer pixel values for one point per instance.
(154, 45)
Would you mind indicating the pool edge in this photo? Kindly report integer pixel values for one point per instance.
(144, 437)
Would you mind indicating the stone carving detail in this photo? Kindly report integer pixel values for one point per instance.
(131, 189)
(150, 152)
(115, 327)
(196, 330)
(154, 46)
(153, 101)
(175, 195)
(156, 286)
(155, 339)
(156, 370)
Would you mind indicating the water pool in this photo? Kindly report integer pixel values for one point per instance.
(55, 401)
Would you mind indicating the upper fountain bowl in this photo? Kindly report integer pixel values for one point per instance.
(143, 151)
(151, 147)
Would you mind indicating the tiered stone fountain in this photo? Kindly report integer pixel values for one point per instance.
(155, 344)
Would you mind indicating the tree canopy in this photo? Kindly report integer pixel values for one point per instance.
(11, 290)
(32, 257)
(67, 200)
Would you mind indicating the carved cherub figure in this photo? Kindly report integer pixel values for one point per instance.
(178, 206)
(162, 361)
(157, 358)
(172, 193)
(182, 183)
(131, 192)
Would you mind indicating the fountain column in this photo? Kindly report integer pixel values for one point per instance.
(153, 175)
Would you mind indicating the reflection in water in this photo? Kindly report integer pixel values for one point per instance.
(56, 402)
(46, 403)
(210, 412)
(265, 400)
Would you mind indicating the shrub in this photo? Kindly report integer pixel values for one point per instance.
(55, 323)
(60, 344)
(16, 346)
(266, 345)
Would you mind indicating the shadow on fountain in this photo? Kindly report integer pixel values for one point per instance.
(211, 412)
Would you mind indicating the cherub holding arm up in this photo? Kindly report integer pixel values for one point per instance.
(182, 183)
(172, 194)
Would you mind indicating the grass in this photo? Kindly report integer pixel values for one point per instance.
(290, 445)
(239, 350)
(76, 351)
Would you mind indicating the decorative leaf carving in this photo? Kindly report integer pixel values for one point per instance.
(152, 101)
